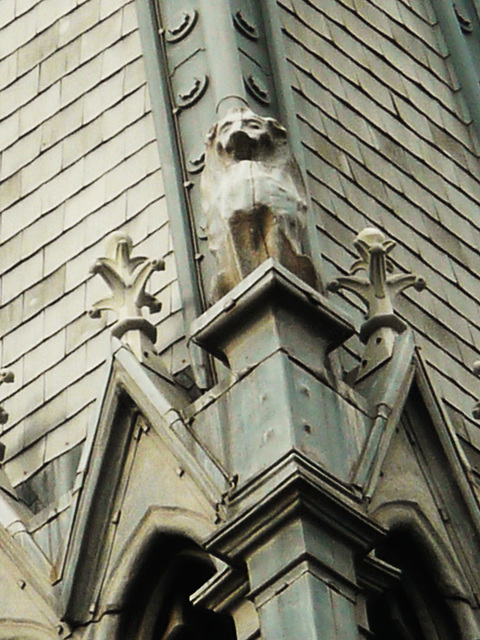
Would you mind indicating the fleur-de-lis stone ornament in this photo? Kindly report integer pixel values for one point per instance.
(377, 291)
(127, 278)
(6, 377)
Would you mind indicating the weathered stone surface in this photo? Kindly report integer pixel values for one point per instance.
(366, 164)
(253, 199)
(379, 124)
(66, 64)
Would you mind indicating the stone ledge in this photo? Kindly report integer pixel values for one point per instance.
(271, 309)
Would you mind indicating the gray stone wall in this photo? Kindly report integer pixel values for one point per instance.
(387, 142)
(78, 160)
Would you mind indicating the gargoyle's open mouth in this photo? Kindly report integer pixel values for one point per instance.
(241, 146)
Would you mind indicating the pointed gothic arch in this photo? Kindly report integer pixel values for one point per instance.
(415, 608)
(158, 603)
(161, 566)
(430, 600)
(157, 522)
(409, 515)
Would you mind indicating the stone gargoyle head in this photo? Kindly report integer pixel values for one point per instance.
(244, 135)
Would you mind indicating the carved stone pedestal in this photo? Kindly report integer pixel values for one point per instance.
(289, 433)
(274, 332)
(271, 310)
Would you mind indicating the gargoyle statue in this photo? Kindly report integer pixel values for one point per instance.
(253, 199)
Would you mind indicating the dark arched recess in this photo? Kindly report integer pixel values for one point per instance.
(413, 608)
(158, 604)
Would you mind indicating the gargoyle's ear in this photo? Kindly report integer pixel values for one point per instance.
(212, 132)
(277, 130)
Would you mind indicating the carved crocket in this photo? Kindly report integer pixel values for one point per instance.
(253, 199)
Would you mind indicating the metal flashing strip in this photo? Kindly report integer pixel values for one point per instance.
(460, 466)
(466, 67)
(288, 115)
(394, 380)
(21, 549)
(174, 180)
(156, 407)
(228, 88)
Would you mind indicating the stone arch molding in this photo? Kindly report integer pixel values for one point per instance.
(409, 516)
(156, 522)
(25, 630)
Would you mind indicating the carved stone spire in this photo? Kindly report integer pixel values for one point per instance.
(127, 278)
(377, 291)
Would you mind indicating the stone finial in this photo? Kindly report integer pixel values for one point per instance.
(127, 278)
(378, 292)
(6, 376)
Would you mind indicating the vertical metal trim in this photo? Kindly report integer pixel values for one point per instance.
(178, 208)
(287, 111)
(466, 68)
(218, 28)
